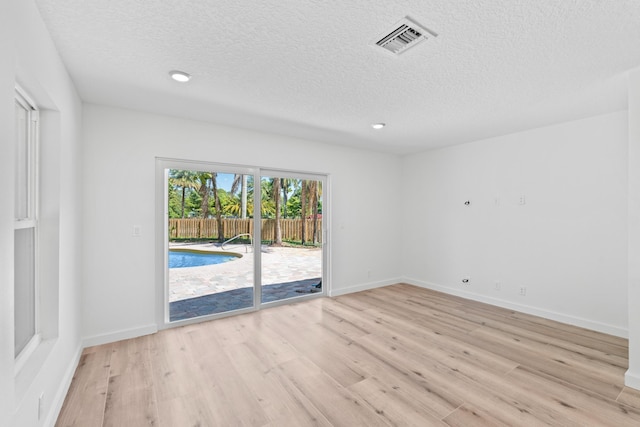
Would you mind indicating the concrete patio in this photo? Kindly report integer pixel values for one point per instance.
(286, 272)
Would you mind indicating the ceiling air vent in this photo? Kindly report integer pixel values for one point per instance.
(405, 34)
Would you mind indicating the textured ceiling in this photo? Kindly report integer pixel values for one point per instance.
(308, 68)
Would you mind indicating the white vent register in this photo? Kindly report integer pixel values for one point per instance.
(405, 34)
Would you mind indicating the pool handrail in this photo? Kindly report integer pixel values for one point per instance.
(235, 237)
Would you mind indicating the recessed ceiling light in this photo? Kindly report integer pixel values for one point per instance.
(180, 76)
(377, 126)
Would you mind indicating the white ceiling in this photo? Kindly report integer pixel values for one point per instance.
(308, 68)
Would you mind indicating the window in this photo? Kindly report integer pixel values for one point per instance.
(25, 227)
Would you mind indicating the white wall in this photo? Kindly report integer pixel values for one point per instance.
(632, 377)
(567, 244)
(30, 58)
(7, 75)
(119, 182)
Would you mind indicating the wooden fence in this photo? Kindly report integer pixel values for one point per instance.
(200, 228)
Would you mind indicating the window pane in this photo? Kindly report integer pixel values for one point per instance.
(22, 162)
(24, 287)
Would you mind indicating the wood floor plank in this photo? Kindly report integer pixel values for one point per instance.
(230, 397)
(457, 384)
(552, 364)
(85, 401)
(398, 355)
(397, 407)
(193, 410)
(326, 348)
(434, 340)
(586, 408)
(270, 394)
(469, 415)
(340, 406)
(630, 397)
(585, 346)
(172, 364)
(131, 398)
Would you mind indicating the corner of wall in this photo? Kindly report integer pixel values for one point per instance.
(65, 383)
(124, 334)
(632, 379)
(363, 287)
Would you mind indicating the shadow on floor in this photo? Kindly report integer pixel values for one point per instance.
(239, 298)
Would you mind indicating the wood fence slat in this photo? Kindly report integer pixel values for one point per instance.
(207, 228)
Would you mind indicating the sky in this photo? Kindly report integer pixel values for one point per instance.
(224, 181)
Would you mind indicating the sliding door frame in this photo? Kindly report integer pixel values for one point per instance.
(162, 235)
(323, 178)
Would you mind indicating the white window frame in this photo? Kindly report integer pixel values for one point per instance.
(31, 218)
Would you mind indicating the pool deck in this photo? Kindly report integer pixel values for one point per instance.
(279, 265)
(286, 272)
(237, 299)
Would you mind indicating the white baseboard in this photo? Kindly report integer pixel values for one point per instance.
(632, 379)
(362, 287)
(119, 335)
(547, 314)
(63, 389)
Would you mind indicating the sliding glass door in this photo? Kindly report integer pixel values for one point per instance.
(237, 238)
(209, 227)
(292, 236)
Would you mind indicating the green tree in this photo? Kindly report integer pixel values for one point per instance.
(204, 179)
(276, 197)
(194, 202)
(216, 198)
(231, 205)
(242, 182)
(314, 191)
(310, 204)
(185, 180)
(293, 205)
(287, 184)
(267, 209)
(174, 202)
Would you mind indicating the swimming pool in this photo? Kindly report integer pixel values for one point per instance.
(181, 258)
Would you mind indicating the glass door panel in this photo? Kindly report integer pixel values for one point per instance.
(210, 228)
(291, 237)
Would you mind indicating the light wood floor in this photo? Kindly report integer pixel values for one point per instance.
(398, 355)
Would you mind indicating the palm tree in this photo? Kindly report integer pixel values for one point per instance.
(216, 202)
(184, 179)
(241, 181)
(285, 184)
(203, 179)
(276, 197)
(233, 206)
(266, 208)
(309, 193)
(303, 209)
(266, 202)
(313, 192)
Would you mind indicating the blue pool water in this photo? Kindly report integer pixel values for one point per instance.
(181, 259)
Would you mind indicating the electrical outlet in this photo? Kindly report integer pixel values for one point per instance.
(522, 200)
(498, 286)
(137, 231)
(523, 291)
